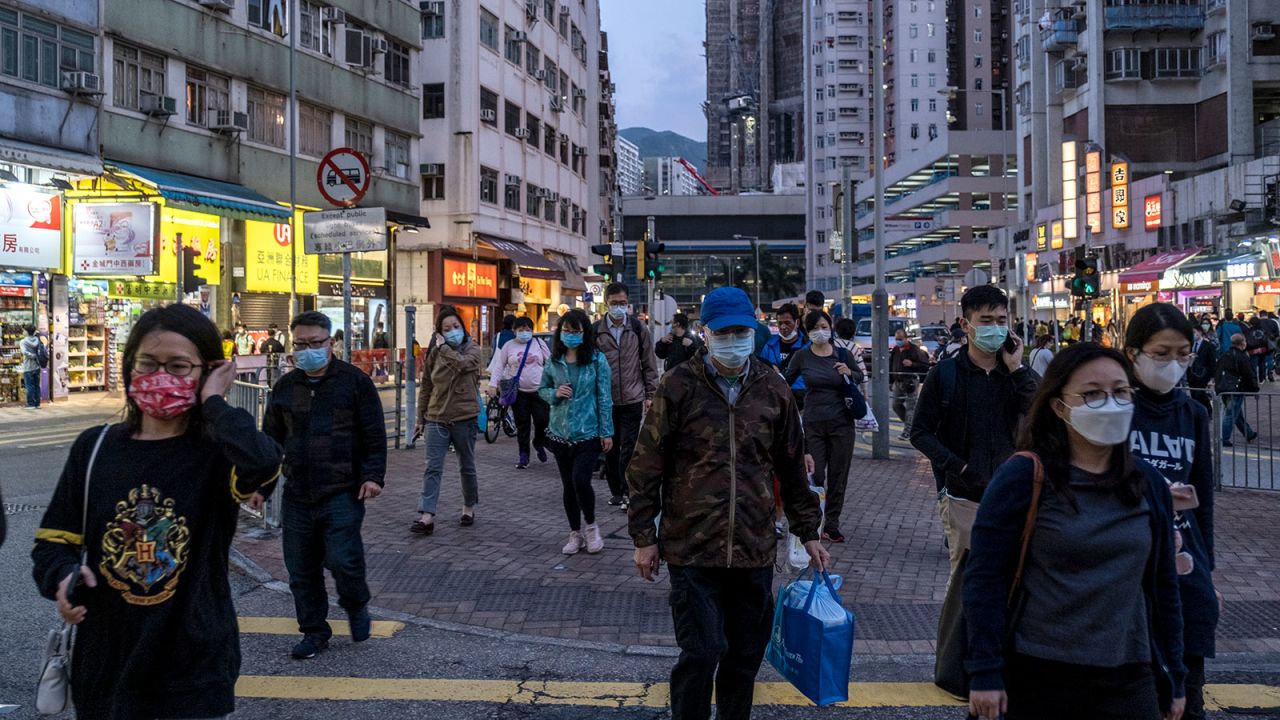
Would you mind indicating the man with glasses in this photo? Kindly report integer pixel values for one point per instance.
(628, 347)
(329, 418)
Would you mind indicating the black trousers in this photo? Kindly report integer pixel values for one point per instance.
(1195, 687)
(1047, 690)
(531, 411)
(626, 429)
(576, 463)
(723, 617)
(319, 536)
(830, 442)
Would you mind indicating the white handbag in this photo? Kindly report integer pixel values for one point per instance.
(53, 693)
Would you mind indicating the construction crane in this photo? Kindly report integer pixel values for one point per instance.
(694, 171)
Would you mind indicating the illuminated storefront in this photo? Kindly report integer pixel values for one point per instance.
(472, 287)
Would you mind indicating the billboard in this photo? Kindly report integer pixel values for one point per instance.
(114, 239)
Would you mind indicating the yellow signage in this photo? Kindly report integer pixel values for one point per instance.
(200, 232)
(1120, 195)
(266, 265)
(1055, 235)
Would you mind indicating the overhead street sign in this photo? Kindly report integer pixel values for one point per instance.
(344, 231)
(343, 177)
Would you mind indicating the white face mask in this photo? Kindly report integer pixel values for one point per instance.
(1160, 376)
(821, 337)
(1103, 426)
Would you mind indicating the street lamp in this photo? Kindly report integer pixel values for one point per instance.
(755, 244)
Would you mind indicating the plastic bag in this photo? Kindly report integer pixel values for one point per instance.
(867, 423)
(812, 640)
(797, 556)
(483, 419)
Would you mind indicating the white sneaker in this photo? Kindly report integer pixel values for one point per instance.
(595, 543)
(575, 543)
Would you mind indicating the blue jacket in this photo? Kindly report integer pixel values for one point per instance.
(589, 413)
(772, 354)
(993, 557)
(1226, 329)
(1171, 432)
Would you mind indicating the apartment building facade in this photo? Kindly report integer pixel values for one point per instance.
(630, 167)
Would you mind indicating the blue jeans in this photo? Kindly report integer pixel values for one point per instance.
(31, 381)
(1233, 414)
(321, 535)
(438, 436)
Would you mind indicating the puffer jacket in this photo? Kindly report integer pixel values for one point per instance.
(708, 468)
(450, 384)
(589, 413)
(635, 369)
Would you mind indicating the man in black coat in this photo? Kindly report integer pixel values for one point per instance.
(679, 345)
(1236, 377)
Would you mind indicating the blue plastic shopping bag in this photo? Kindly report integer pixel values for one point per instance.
(483, 419)
(812, 641)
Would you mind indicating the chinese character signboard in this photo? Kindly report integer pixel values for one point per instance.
(470, 279)
(141, 290)
(114, 239)
(1093, 190)
(1055, 235)
(267, 259)
(30, 228)
(1042, 238)
(1119, 195)
(1151, 211)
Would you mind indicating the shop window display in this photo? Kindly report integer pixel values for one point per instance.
(86, 335)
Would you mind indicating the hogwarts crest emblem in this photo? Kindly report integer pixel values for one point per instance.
(144, 549)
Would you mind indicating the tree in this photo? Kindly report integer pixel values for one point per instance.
(777, 279)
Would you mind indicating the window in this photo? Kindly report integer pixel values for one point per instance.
(822, 141)
(564, 25)
(396, 156)
(550, 145)
(433, 101)
(207, 93)
(511, 46)
(977, 84)
(396, 63)
(1218, 48)
(488, 101)
(933, 131)
(1181, 62)
(831, 91)
(549, 9)
(577, 219)
(977, 61)
(315, 130)
(41, 50)
(579, 100)
(489, 30)
(914, 55)
(358, 135)
(535, 130)
(532, 202)
(549, 208)
(511, 196)
(564, 152)
(933, 80)
(488, 185)
(915, 130)
(977, 11)
(433, 27)
(266, 117)
(932, 56)
(913, 30)
(532, 58)
(1123, 64)
(313, 34)
(818, 119)
(553, 76)
(433, 183)
(268, 16)
(932, 29)
(933, 105)
(511, 118)
(564, 82)
(977, 37)
(915, 80)
(564, 212)
(915, 104)
(978, 109)
(137, 73)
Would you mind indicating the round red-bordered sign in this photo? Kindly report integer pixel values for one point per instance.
(343, 177)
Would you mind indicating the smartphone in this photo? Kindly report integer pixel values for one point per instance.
(79, 591)
(1010, 344)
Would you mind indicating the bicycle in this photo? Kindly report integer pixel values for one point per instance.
(500, 419)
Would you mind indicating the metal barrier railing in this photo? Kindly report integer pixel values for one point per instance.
(252, 397)
(1247, 433)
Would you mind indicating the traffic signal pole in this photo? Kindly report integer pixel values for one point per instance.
(650, 281)
(880, 297)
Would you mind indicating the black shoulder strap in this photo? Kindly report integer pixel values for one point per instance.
(947, 381)
(636, 327)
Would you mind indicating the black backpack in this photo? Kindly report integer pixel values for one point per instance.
(1257, 337)
(42, 354)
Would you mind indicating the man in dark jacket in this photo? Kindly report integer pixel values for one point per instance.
(1204, 360)
(328, 416)
(680, 344)
(628, 346)
(722, 425)
(1236, 377)
(908, 363)
(968, 413)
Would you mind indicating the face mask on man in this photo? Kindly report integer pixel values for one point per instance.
(989, 338)
(618, 312)
(524, 336)
(454, 337)
(311, 359)
(788, 336)
(732, 350)
(1102, 426)
(163, 396)
(1159, 375)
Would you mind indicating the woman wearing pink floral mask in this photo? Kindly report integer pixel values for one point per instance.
(159, 494)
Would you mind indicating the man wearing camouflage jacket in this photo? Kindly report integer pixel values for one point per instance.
(720, 427)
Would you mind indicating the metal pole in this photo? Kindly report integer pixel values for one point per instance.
(293, 163)
(652, 237)
(346, 305)
(846, 239)
(879, 298)
(756, 244)
(411, 373)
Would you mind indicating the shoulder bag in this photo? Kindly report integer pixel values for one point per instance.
(509, 390)
(53, 693)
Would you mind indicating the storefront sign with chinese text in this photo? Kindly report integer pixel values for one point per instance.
(1042, 237)
(470, 279)
(198, 231)
(141, 290)
(1055, 235)
(30, 227)
(1151, 211)
(267, 259)
(114, 239)
(1119, 195)
(1244, 270)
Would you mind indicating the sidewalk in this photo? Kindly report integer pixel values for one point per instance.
(507, 573)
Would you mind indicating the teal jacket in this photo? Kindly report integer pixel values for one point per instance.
(589, 413)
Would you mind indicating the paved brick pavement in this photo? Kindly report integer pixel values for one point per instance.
(507, 572)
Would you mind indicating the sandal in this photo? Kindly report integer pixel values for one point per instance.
(420, 528)
(467, 520)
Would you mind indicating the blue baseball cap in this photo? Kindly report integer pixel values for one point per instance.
(727, 307)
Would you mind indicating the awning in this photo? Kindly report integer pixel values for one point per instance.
(1149, 270)
(531, 263)
(207, 195)
(573, 279)
(407, 220)
(41, 156)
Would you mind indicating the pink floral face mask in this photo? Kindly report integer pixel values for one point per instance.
(163, 396)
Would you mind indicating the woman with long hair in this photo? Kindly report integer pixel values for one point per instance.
(1094, 628)
(521, 360)
(152, 503)
(448, 405)
(1171, 432)
(576, 383)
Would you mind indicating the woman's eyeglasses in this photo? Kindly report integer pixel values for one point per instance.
(177, 368)
(1098, 398)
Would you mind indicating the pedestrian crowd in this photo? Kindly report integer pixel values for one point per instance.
(1073, 485)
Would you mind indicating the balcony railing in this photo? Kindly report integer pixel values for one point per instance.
(1154, 17)
(1061, 35)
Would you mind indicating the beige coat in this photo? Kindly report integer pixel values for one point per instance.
(450, 384)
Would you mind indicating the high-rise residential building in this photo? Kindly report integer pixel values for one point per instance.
(610, 194)
(837, 64)
(630, 168)
(511, 158)
(670, 176)
(755, 91)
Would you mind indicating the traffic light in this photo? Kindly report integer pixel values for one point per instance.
(190, 280)
(653, 259)
(609, 269)
(1086, 281)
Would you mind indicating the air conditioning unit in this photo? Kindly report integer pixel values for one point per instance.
(81, 83)
(158, 105)
(1264, 31)
(522, 133)
(564, 9)
(579, 92)
(487, 115)
(543, 193)
(379, 45)
(540, 74)
(431, 169)
(520, 36)
(230, 122)
(580, 151)
(333, 16)
(557, 104)
(512, 180)
(431, 7)
(219, 5)
(553, 196)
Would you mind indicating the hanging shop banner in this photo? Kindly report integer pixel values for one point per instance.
(114, 239)
(470, 280)
(30, 228)
(142, 290)
(198, 231)
(1042, 237)
(267, 259)
(1119, 195)
(1152, 211)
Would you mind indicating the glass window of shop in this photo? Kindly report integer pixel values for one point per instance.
(37, 50)
(368, 293)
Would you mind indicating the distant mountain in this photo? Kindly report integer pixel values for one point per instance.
(664, 143)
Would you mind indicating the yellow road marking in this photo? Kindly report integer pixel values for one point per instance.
(289, 626)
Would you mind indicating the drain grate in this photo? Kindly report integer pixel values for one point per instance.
(15, 509)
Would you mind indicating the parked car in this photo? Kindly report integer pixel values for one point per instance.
(862, 335)
(934, 338)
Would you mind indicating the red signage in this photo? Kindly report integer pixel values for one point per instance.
(1267, 287)
(469, 279)
(1151, 211)
(343, 177)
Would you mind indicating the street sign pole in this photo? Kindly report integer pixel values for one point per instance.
(346, 305)
(880, 297)
(410, 374)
